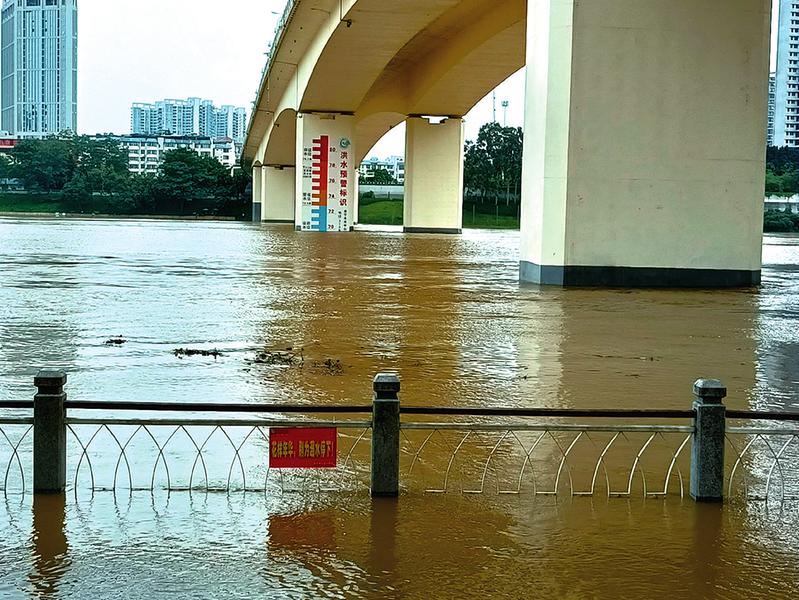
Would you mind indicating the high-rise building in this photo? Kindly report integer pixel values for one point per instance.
(224, 121)
(786, 97)
(39, 67)
(188, 117)
(239, 124)
(772, 101)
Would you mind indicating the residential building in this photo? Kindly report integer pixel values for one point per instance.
(146, 152)
(39, 67)
(395, 165)
(772, 100)
(193, 116)
(786, 96)
(239, 124)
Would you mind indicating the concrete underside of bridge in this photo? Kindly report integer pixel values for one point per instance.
(644, 131)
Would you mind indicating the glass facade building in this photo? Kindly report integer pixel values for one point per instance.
(39, 70)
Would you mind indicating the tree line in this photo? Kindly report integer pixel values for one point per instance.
(782, 170)
(492, 165)
(91, 176)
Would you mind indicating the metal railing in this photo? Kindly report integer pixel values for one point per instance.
(16, 440)
(384, 447)
(280, 29)
(552, 459)
(209, 455)
(764, 458)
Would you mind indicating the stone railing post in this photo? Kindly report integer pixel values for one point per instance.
(49, 433)
(707, 452)
(385, 436)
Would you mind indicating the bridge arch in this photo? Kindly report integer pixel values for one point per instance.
(643, 130)
(281, 142)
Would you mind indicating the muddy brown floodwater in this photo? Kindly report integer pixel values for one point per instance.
(449, 315)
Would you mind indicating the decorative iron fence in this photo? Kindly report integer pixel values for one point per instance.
(541, 452)
(16, 442)
(208, 455)
(764, 460)
(547, 460)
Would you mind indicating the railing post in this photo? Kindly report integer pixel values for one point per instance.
(385, 435)
(707, 453)
(49, 433)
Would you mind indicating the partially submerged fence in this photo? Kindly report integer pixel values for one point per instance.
(706, 451)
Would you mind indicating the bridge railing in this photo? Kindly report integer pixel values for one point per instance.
(280, 29)
(385, 448)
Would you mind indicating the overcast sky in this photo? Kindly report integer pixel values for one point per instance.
(146, 50)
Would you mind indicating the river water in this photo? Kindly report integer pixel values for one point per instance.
(448, 314)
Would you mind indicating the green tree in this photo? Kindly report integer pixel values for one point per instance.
(493, 162)
(789, 181)
(77, 196)
(6, 166)
(382, 177)
(773, 182)
(186, 177)
(103, 163)
(44, 165)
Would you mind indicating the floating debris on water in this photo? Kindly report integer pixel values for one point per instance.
(117, 340)
(289, 356)
(295, 357)
(181, 352)
(333, 367)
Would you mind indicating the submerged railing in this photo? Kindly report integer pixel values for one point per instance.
(384, 447)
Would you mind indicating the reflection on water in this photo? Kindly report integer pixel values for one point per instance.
(243, 546)
(48, 544)
(446, 312)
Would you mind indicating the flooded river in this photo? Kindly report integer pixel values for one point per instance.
(449, 315)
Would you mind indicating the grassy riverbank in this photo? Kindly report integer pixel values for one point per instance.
(43, 204)
(389, 212)
(30, 203)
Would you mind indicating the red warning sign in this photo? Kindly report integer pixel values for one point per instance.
(302, 448)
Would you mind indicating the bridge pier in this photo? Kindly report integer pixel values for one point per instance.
(325, 174)
(257, 192)
(277, 202)
(433, 176)
(644, 142)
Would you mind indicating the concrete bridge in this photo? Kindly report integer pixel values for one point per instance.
(644, 138)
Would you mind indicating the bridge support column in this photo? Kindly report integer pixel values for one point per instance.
(277, 204)
(325, 174)
(644, 142)
(433, 176)
(257, 193)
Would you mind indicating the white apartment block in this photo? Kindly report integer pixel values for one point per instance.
(146, 152)
(772, 102)
(786, 97)
(193, 116)
(395, 165)
(39, 72)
